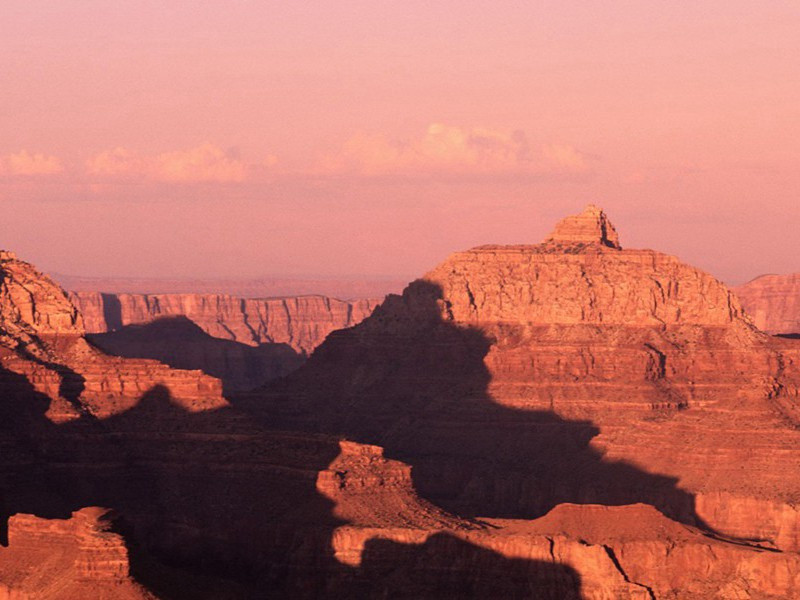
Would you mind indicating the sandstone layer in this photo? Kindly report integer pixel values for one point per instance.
(245, 342)
(773, 301)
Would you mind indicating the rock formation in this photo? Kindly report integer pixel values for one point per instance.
(773, 301)
(74, 558)
(592, 226)
(517, 378)
(565, 420)
(245, 342)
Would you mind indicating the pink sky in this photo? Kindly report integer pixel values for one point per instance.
(373, 138)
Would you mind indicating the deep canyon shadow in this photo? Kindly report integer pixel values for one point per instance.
(414, 382)
(182, 344)
(215, 506)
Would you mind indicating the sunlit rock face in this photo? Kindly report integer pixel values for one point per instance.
(773, 301)
(515, 378)
(42, 338)
(592, 226)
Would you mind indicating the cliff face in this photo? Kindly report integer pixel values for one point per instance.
(76, 558)
(514, 379)
(244, 342)
(773, 301)
(302, 323)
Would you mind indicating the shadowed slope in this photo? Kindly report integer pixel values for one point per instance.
(417, 385)
(181, 344)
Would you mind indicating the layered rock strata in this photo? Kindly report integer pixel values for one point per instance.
(773, 301)
(301, 322)
(516, 378)
(484, 422)
(242, 341)
(70, 559)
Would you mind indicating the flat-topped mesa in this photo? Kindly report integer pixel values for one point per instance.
(592, 226)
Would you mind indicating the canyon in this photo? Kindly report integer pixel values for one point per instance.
(570, 419)
(244, 342)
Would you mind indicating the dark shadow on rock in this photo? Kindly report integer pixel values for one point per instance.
(448, 567)
(182, 344)
(212, 505)
(112, 311)
(788, 336)
(415, 383)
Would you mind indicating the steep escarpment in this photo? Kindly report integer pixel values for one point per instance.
(301, 322)
(773, 301)
(245, 342)
(514, 379)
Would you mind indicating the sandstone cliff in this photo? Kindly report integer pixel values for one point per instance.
(773, 301)
(244, 342)
(301, 323)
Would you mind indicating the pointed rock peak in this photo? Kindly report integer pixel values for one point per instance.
(592, 226)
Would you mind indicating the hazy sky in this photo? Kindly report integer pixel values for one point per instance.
(236, 138)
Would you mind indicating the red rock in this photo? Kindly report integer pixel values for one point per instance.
(516, 378)
(592, 226)
(244, 342)
(480, 419)
(300, 322)
(76, 558)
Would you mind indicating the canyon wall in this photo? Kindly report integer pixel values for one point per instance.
(245, 342)
(517, 378)
(564, 420)
(773, 301)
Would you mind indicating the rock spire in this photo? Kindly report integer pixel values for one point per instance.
(591, 226)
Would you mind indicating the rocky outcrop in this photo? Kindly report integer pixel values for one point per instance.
(773, 301)
(565, 420)
(41, 338)
(76, 558)
(592, 226)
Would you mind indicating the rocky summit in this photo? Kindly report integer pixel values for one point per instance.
(592, 226)
(568, 419)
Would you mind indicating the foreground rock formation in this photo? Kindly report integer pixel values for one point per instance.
(245, 342)
(80, 557)
(773, 301)
(566, 420)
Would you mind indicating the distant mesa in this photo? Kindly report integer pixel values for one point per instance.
(592, 226)
(773, 301)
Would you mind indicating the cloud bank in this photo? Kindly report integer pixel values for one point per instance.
(204, 163)
(27, 164)
(445, 149)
